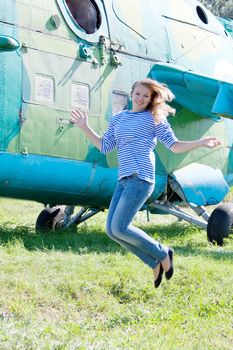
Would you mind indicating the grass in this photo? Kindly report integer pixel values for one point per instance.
(77, 289)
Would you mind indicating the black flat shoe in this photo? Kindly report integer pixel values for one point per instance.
(170, 272)
(159, 278)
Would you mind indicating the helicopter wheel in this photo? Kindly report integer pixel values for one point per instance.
(220, 223)
(50, 219)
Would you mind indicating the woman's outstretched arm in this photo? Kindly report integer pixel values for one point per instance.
(186, 146)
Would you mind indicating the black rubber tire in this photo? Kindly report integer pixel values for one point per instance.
(220, 223)
(49, 218)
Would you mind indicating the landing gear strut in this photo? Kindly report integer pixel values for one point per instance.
(218, 225)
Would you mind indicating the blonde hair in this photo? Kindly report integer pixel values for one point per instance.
(160, 95)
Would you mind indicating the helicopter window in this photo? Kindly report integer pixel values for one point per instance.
(119, 101)
(44, 88)
(86, 14)
(80, 96)
(202, 15)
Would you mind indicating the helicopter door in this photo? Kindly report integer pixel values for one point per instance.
(60, 73)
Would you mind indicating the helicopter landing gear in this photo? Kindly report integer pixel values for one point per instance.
(220, 223)
(52, 218)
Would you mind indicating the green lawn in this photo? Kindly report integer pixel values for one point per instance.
(77, 289)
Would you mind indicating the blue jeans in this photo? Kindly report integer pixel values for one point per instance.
(129, 196)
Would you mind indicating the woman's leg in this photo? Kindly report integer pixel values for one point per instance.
(149, 260)
(128, 199)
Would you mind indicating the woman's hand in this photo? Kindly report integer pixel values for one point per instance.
(79, 118)
(211, 142)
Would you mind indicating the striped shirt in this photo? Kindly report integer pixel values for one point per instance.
(135, 135)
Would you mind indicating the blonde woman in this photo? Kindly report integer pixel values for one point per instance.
(134, 133)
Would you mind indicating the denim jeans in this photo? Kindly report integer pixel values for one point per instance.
(129, 196)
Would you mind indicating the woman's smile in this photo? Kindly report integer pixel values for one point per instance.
(141, 97)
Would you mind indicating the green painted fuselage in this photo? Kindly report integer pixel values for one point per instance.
(59, 67)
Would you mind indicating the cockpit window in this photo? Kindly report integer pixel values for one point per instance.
(86, 14)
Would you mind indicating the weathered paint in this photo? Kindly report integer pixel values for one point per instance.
(61, 180)
(10, 78)
(198, 93)
(201, 184)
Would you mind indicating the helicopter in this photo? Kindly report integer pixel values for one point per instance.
(61, 55)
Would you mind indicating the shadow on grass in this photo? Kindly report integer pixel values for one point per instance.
(87, 239)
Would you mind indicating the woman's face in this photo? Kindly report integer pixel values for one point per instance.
(141, 97)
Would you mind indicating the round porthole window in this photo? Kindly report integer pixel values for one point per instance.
(86, 14)
(202, 15)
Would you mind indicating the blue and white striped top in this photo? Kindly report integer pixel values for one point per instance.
(135, 135)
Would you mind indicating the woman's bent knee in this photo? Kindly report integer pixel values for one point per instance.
(117, 231)
(113, 232)
(109, 231)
